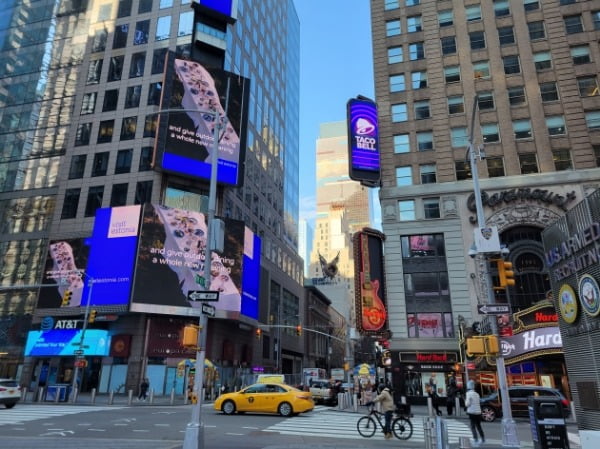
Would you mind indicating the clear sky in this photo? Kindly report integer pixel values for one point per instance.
(336, 64)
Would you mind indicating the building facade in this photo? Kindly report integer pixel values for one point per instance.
(79, 99)
(529, 69)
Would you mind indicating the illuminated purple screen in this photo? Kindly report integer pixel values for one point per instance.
(363, 135)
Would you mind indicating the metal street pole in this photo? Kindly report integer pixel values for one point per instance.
(79, 357)
(509, 426)
(194, 432)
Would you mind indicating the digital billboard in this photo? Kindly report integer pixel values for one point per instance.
(225, 7)
(363, 141)
(66, 341)
(251, 274)
(185, 143)
(170, 263)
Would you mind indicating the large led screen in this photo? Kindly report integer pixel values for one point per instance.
(186, 140)
(66, 341)
(363, 141)
(170, 263)
(251, 274)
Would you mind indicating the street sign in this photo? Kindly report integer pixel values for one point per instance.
(78, 352)
(493, 309)
(201, 295)
(207, 309)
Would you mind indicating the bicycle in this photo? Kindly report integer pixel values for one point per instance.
(402, 428)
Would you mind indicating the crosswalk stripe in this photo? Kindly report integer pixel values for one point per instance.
(25, 413)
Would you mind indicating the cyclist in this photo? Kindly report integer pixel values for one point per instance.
(387, 407)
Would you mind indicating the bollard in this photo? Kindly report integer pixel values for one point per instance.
(573, 415)
(40, 394)
(464, 443)
(74, 397)
(355, 402)
(172, 396)
(186, 396)
(457, 406)
(93, 395)
(430, 406)
(57, 395)
(111, 397)
(151, 395)
(130, 397)
(24, 394)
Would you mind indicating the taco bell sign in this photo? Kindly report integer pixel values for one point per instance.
(363, 141)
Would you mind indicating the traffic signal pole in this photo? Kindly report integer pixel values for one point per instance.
(509, 426)
(75, 387)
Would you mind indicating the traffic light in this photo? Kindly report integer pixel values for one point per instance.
(92, 316)
(258, 333)
(505, 273)
(299, 330)
(66, 299)
(190, 336)
(483, 345)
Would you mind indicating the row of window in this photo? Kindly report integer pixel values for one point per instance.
(106, 130)
(133, 95)
(501, 7)
(124, 7)
(101, 162)
(118, 197)
(137, 66)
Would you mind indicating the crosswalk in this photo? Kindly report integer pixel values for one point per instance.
(23, 413)
(334, 424)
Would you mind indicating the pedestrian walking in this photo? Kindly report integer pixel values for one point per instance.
(451, 391)
(144, 389)
(473, 408)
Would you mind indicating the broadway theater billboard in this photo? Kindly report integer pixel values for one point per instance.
(185, 142)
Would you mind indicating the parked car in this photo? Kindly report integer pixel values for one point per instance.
(10, 392)
(323, 392)
(491, 406)
(266, 398)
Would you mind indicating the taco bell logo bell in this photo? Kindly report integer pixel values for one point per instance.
(365, 135)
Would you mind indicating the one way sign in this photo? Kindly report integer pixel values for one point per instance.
(201, 295)
(493, 309)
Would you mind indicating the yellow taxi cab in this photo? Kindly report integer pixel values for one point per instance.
(266, 398)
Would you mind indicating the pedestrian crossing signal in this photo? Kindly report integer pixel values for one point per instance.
(190, 336)
(92, 316)
(258, 333)
(66, 299)
(299, 330)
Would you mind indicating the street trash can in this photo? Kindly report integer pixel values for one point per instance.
(547, 419)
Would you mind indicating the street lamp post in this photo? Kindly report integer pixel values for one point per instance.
(509, 427)
(80, 345)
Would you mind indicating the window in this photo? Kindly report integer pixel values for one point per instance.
(154, 93)
(391, 4)
(596, 19)
(456, 105)
(406, 209)
(143, 192)
(536, 30)
(89, 103)
(77, 166)
(94, 71)
(145, 159)
(118, 197)
(581, 54)
(413, 2)
(414, 24)
(528, 163)
(473, 13)
(138, 60)
(94, 200)
(99, 42)
(82, 135)
(416, 51)
(419, 79)
(397, 83)
(150, 125)
(422, 110)
(120, 37)
(506, 35)
(404, 176)
(186, 23)
(522, 129)
(110, 100)
(597, 154)
(115, 69)
(132, 97)
(128, 127)
(481, 70)
(145, 6)
(531, 5)
(548, 91)
(592, 120)
(445, 18)
(71, 203)
(158, 60)
(501, 8)
(395, 55)
(163, 28)
(542, 60)
(123, 161)
(567, 2)
(516, 95)
(588, 86)
(100, 165)
(562, 160)
(463, 170)
(459, 137)
(142, 31)
(124, 8)
(477, 39)
(556, 125)
(392, 28)
(490, 133)
(452, 74)
(485, 101)
(399, 112)
(165, 4)
(511, 64)
(573, 24)
(495, 166)
(431, 208)
(401, 143)
(425, 140)
(448, 45)
(428, 175)
(105, 131)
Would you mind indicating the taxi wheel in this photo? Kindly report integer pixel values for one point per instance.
(228, 407)
(285, 409)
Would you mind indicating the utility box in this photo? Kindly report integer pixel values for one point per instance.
(548, 427)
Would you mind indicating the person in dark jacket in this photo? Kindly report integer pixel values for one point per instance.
(144, 389)
(451, 391)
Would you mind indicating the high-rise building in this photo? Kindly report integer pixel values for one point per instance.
(80, 90)
(305, 241)
(342, 209)
(533, 68)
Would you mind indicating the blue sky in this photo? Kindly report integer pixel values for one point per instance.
(336, 64)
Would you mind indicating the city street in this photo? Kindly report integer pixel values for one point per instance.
(58, 426)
